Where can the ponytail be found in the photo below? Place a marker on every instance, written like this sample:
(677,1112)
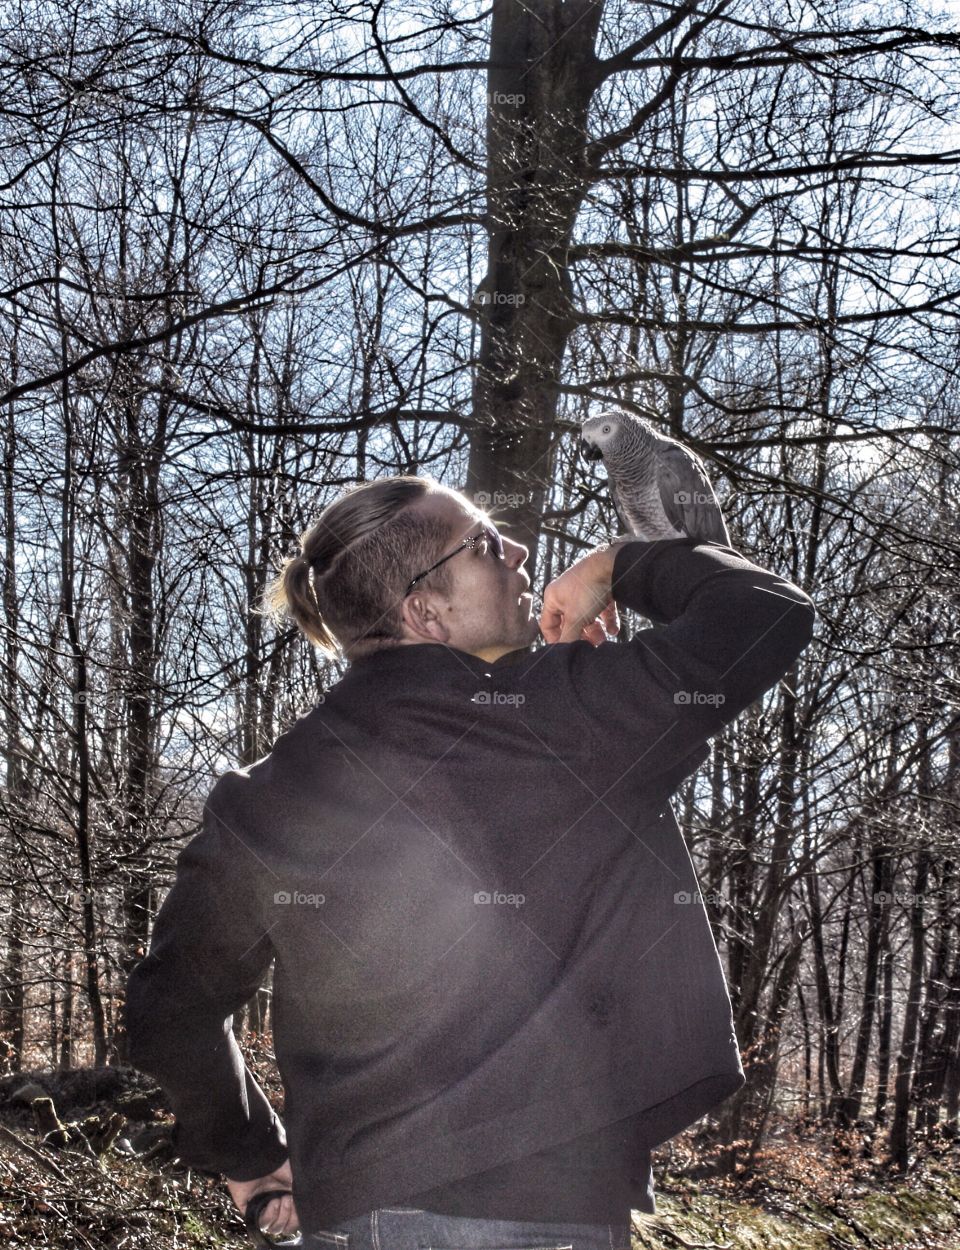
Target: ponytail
(345,588)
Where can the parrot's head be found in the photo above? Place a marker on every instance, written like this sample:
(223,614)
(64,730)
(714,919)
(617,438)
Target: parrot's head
(611,434)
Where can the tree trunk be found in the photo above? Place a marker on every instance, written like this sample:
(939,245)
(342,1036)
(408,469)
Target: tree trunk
(11,991)
(80,689)
(899,1136)
(543,72)
(849,1106)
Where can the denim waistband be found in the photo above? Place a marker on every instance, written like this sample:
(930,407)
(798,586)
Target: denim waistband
(412,1228)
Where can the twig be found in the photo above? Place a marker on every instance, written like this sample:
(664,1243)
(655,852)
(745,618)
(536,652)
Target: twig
(67,1220)
(35,1155)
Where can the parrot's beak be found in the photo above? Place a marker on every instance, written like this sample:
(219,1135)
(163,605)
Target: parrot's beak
(590,451)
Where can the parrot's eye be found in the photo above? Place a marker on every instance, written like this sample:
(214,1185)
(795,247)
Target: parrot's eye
(606,429)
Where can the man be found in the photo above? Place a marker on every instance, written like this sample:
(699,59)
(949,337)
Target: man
(496,988)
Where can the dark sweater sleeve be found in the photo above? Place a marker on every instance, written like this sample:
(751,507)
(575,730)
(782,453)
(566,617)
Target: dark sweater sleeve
(208,955)
(726,631)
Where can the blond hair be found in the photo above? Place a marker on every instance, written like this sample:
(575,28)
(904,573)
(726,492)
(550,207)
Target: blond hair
(345,588)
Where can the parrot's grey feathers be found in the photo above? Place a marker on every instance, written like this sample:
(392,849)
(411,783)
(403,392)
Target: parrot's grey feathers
(687,495)
(621,513)
(659,487)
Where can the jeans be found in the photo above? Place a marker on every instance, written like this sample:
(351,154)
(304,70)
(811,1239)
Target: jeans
(411,1228)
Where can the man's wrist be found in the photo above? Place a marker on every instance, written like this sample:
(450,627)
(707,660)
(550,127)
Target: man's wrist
(598,563)
(601,561)
(613,545)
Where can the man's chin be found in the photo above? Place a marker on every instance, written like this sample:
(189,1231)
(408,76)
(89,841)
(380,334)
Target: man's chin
(532,631)
(522,633)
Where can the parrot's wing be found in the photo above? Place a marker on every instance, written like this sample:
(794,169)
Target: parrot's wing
(687,496)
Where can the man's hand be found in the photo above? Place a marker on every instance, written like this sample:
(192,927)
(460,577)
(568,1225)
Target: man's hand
(579,604)
(280,1215)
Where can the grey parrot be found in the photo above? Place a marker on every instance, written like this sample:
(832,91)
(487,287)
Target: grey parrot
(659,487)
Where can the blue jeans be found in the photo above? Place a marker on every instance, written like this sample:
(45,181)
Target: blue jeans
(411,1228)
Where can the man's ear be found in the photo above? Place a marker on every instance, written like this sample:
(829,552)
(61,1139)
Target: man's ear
(422,619)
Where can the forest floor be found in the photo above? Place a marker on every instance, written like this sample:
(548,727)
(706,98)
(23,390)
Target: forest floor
(115,1186)
(799,1195)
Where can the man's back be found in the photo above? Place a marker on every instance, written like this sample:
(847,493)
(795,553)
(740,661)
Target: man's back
(485,921)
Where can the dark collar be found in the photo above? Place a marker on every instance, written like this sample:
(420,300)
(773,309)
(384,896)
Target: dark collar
(437,656)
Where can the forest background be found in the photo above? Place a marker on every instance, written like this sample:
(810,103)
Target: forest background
(252,254)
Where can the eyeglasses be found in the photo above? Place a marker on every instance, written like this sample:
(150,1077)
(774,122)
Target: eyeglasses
(488,532)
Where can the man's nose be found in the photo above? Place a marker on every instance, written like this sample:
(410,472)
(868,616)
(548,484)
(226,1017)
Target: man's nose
(514,553)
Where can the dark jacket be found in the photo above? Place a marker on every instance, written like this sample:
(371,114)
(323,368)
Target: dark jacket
(485,920)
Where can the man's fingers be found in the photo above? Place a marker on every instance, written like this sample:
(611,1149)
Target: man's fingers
(279,1216)
(611,617)
(594,633)
(270,1216)
(563,629)
(567,624)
